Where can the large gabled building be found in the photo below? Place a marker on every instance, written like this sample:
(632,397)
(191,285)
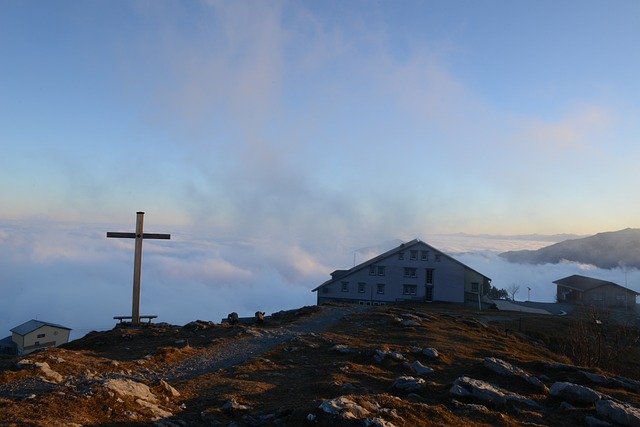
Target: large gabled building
(413,271)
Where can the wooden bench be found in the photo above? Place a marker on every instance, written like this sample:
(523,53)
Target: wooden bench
(122,318)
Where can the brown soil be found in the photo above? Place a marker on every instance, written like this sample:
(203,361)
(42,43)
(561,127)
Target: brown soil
(285,368)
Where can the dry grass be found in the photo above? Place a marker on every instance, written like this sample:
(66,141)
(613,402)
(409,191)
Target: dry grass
(291,380)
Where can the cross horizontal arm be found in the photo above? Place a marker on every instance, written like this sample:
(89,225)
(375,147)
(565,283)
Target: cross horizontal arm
(156,236)
(121,235)
(124,235)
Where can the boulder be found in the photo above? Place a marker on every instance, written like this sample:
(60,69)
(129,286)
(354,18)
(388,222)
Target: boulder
(233,405)
(172,391)
(486,393)
(394,355)
(431,352)
(344,408)
(575,393)
(130,388)
(419,368)
(618,412)
(409,384)
(501,367)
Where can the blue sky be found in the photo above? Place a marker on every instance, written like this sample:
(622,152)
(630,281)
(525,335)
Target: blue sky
(376,117)
(300,131)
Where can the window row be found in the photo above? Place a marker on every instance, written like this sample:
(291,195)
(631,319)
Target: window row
(362,287)
(424,255)
(379,270)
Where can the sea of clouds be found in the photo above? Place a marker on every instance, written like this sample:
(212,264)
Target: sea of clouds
(73,275)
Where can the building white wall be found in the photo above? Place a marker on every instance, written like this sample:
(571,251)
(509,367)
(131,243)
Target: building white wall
(44,336)
(448,279)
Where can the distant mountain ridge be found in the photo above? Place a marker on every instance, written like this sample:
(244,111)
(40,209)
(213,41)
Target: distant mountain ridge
(604,250)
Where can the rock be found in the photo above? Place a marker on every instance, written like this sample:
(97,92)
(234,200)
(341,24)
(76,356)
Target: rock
(50,374)
(395,355)
(410,323)
(172,391)
(431,352)
(419,368)
(125,387)
(486,393)
(344,408)
(575,393)
(233,405)
(501,367)
(341,348)
(156,411)
(596,422)
(618,412)
(409,384)
(377,422)
(469,406)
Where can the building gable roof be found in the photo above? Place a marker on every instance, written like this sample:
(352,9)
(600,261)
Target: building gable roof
(32,325)
(403,247)
(584,283)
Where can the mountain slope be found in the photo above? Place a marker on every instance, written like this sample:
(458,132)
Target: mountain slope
(604,250)
(396,365)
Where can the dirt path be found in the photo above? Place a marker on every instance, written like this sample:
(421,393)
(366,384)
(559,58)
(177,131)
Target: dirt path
(241,349)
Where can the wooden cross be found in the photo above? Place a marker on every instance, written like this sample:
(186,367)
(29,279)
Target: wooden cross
(139,235)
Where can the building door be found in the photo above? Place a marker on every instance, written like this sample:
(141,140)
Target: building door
(428,285)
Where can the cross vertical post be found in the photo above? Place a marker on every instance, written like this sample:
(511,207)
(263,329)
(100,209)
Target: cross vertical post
(137,269)
(139,235)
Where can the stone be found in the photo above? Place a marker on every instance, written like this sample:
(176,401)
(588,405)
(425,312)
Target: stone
(575,393)
(596,422)
(419,368)
(377,422)
(172,391)
(501,367)
(395,355)
(130,388)
(50,374)
(409,384)
(156,411)
(344,408)
(618,412)
(431,352)
(341,348)
(469,406)
(409,323)
(233,405)
(487,393)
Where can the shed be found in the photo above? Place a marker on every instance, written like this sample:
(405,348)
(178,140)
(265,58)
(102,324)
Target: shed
(36,334)
(579,289)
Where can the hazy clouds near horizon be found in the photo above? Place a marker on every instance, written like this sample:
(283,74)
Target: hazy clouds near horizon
(75,276)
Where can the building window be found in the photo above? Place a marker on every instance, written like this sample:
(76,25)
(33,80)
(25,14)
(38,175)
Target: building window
(429,279)
(36,343)
(410,272)
(361,286)
(620,297)
(424,255)
(437,257)
(41,335)
(597,296)
(380,288)
(345,286)
(414,255)
(325,290)
(372,270)
(409,289)
(474,287)
(381,270)
(401,256)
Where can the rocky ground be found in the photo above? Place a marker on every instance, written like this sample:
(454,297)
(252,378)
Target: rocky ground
(397,365)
